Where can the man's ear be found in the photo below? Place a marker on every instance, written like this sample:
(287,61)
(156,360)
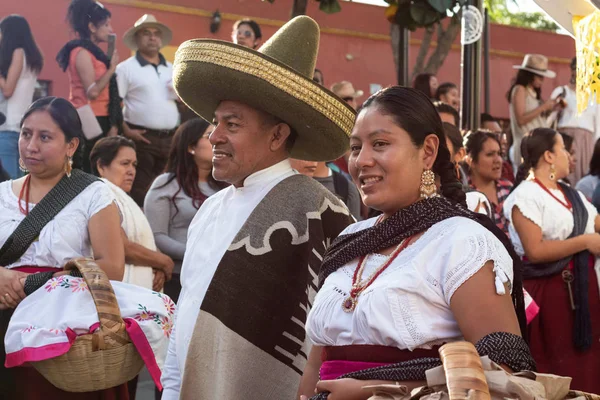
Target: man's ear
(280,134)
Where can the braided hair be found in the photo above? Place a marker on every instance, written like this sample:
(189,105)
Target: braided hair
(412,110)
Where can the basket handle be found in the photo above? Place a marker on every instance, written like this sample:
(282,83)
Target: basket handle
(464,373)
(112,327)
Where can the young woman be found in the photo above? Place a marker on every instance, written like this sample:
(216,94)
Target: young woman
(20,64)
(485,172)
(525,98)
(176,195)
(426,84)
(91,72)
(87,226)
(114,160)
(554,228)
(587,185)
(393,288)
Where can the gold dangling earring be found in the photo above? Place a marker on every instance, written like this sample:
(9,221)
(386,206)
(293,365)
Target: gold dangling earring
(428,188)
(552,172)
(22,166)
(69,166)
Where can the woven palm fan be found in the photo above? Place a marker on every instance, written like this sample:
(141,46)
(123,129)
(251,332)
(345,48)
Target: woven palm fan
(464,373)
(99,360)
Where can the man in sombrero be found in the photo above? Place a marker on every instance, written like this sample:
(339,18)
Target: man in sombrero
(254,249)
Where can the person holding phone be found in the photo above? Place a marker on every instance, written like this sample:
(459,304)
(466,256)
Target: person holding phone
(92,73)
(150,102)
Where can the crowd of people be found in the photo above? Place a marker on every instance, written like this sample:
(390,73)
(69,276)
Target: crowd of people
(315,246)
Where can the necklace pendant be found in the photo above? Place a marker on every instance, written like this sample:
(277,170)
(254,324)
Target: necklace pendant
(349,304)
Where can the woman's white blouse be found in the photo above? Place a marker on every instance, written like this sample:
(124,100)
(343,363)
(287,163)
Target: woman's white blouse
(408,305)
(63,238)
(554,219)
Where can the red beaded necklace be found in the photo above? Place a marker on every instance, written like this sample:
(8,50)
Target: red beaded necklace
(25,190)
(358,286)
(567,205)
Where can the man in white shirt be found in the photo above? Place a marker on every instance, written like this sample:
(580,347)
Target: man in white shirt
(254,249)
(150,109)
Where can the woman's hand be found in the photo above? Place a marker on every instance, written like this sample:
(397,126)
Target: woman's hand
(11,288)
(344,389)
(593,243)
(549,104)
(159,280)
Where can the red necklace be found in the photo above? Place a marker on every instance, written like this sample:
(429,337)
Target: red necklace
(567,205)
(358,286)
(25,190)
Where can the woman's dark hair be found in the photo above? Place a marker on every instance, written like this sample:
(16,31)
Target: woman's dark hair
(476,140)
(252,24)
(16,34)
(595,161)
(182,166)
(524,78)
(106,149)
(443,89)
(422,84)
(568,141)
(82,12)
(66,117)
(533,147)
(413,111)
(453,134)
(444,108)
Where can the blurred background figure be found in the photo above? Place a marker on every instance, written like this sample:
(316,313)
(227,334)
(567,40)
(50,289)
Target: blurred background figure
(246,32)
(426,83)
(587,185)
(20,63)
(449,94)
(318,77)
(447,113)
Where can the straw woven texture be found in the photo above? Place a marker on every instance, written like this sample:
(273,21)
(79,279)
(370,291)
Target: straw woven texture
(464,372)
(100,360)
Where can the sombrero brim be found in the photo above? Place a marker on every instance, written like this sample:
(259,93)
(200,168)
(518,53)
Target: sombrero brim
(129,37)
(207,72)
(547,73)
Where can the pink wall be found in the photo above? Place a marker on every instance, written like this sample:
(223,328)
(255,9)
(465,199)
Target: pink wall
(372,57)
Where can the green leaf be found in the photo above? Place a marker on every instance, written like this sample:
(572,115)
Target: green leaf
(330,6)
(441,6)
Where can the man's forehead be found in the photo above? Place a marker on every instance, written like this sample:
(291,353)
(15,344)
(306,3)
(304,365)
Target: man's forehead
(235,108)
(149,30)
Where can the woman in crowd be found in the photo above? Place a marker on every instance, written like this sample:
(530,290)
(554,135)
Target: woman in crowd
(246,32)
(176,195)
(554,228)
(426,250)
(570,147)
(114,159)
(79,219)
(485,171)
(426,84)
(20,64)
(525,98)
(587,185)
(91,73)
(448,93)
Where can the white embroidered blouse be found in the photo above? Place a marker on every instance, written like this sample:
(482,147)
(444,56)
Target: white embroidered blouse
(408,305)
(63,238)
(555,220)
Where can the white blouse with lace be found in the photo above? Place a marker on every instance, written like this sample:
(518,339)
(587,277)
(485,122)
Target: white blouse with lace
(63,238)
(408,305)
(554,219)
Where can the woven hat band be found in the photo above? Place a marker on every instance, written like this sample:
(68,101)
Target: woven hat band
(282,78)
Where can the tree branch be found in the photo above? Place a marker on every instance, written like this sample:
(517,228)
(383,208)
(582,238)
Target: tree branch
(445,40)
(423,50)
(299,7)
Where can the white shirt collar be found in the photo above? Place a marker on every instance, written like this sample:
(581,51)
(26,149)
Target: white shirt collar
(264,176)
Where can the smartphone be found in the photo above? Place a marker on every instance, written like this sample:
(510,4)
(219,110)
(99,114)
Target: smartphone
(111,45)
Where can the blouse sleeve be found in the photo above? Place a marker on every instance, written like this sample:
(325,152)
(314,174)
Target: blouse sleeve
(469,247)
(99,196)
(529,202)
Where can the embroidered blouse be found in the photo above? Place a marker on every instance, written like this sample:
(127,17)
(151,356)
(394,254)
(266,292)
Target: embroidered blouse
(408,305)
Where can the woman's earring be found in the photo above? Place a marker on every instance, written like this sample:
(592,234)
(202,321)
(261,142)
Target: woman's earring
(552,172)
(457,169)
(428,188)
(22,166)
(69,166)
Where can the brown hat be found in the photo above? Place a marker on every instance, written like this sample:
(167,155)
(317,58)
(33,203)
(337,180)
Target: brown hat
(346,89)
(276,79)
(147,21)
(536,63)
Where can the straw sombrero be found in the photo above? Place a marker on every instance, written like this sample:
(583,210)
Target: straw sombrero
(276,79)
(536,63)
(147,21)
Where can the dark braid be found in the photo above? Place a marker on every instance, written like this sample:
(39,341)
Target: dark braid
(444,168)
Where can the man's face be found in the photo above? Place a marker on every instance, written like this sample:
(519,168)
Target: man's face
(307,168)
(241,141)
(492,126)
(244,36)
(149,40)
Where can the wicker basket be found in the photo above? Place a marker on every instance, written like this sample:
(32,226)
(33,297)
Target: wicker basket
(464,373)
(99,360)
